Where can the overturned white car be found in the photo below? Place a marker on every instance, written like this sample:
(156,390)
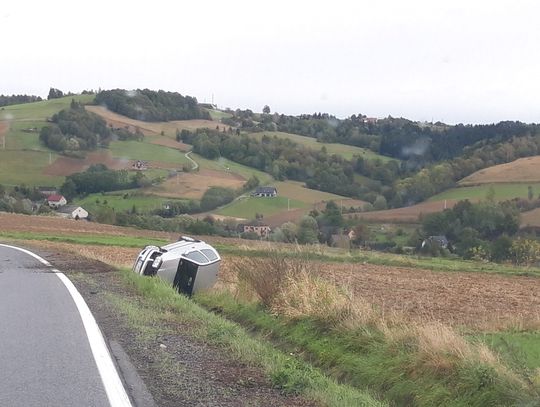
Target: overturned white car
(190,265)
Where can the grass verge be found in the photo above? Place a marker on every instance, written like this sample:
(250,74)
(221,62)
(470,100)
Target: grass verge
(286,372)
(411,363)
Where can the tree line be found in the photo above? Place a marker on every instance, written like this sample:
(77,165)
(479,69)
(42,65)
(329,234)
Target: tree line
(7,100)
(151,106)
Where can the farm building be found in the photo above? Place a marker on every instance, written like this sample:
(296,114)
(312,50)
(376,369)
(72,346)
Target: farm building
(72,212)
(48,191)
(56,201)
(257,227)
(265,192)
(439,241)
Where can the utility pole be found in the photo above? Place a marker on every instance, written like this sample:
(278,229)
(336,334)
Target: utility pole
(3,142)
(288,204)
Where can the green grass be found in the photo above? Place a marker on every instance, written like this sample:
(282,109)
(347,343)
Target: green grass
(223,164)
(116,200)
(502,192)
(26,167)
(162,305)
(17,139)
(344,150)
(41,110)
(249,206)
(517,348)
(218,114)
(363,358)
(137,150)
(102,240)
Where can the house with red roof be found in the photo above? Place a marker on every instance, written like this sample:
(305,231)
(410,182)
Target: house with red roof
(56,201)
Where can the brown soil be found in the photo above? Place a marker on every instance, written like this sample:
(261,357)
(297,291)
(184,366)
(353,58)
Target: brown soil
(4,127)
(479,300)
(522,170)
(209,375)
(409,214)
(193,185)
(475,300)
(153,128)
(531,218)
(64,166)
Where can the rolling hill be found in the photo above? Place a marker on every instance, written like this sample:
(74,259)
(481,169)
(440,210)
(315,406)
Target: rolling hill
(523,170)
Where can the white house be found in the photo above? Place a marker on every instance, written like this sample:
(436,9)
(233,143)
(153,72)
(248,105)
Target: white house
(265,192)
(72,212)
(56,201)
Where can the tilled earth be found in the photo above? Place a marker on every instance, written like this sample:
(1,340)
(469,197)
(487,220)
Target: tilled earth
(204,375)
(474,300)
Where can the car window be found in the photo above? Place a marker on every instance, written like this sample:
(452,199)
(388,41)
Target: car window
(210,254)
(197,257)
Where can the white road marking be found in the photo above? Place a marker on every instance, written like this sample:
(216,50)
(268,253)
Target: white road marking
(116,393)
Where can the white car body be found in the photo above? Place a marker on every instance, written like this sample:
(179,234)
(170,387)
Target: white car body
(189,265)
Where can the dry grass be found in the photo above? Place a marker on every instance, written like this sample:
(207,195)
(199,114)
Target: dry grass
(294,290)
(521,170)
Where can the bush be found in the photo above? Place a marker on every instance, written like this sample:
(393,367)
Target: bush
(216,196)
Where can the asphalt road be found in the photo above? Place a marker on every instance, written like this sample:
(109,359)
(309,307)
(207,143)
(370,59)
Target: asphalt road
(45,355)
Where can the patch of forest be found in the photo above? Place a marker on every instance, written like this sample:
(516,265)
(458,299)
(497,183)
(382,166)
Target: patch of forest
(151,106)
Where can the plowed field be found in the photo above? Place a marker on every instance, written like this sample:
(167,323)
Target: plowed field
(476,300)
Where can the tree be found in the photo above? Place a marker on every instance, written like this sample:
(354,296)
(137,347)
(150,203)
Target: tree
(308,230)
(55,94)
(266,109)
(289,231)
(380,203)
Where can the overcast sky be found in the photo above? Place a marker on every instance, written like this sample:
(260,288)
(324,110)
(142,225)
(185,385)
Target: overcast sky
(455,61)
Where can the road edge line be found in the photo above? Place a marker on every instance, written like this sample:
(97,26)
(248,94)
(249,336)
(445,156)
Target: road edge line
(114,388)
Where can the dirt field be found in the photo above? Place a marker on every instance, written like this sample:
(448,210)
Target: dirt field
(522,170)
(63,166)
(474,300)
(531,218)
(193,185)
(153,128)
(477,300)
(409,214)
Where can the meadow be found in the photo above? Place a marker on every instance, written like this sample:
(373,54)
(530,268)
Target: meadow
(248,207)
(123,201)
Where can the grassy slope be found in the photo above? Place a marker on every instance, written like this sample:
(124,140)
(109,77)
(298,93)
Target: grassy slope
(116,200)
(249,206)
(137,150)
(18,165)
(332,148)
(502,192)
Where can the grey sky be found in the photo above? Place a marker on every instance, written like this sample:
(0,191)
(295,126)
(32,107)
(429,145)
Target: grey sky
(457,61)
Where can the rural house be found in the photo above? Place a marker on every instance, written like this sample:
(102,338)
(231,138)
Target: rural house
(56,201)
(265,192)
(439,241)
(257,227)
(72,212)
